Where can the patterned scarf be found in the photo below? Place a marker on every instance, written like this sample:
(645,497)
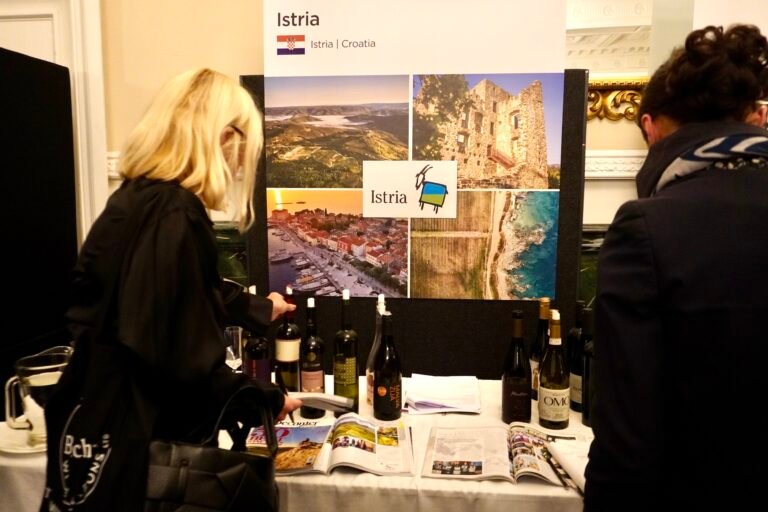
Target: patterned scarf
(699,146)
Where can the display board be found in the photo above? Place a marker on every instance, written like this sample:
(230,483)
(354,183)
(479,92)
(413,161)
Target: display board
(352,84)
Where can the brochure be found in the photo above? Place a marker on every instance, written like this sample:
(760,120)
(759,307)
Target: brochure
(508,453)
(309,446)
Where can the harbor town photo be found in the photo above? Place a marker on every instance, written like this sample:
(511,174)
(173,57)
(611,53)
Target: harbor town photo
(320,243)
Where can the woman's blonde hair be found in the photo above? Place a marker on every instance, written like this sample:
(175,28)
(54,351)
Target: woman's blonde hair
(179,138)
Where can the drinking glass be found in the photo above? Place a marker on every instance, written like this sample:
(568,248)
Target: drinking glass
(35,378)
(234,337)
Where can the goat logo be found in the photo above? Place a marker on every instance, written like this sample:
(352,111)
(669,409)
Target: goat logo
(431,193)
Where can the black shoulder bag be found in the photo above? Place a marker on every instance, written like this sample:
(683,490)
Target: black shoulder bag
(202,477)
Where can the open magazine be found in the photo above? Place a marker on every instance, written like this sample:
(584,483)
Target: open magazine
(350,441)
(516,451)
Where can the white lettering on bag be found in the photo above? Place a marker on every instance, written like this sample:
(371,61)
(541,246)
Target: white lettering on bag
(81,462)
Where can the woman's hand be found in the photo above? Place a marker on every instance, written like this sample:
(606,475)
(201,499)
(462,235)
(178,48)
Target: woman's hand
(279,306)
(291,404)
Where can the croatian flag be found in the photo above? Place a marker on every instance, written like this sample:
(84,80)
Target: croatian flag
(290,45)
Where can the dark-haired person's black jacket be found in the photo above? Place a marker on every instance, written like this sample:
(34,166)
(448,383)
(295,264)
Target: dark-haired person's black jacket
(682,328)
(156,369)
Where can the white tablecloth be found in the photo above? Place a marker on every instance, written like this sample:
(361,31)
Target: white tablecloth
(22,477)
(351,490)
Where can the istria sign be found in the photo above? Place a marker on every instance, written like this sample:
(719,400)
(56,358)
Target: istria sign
(412,188)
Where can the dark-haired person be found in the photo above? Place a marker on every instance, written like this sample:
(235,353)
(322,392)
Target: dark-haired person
(149,308)
(680,341)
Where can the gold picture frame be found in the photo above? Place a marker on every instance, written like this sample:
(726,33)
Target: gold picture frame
(615,99)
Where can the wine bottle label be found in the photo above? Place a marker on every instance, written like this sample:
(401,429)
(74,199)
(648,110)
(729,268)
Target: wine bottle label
(287,351)
(554,404)
(369,387)
(257,369)
(534,374)
(313,381)
(575,383)
(388,399)
(345,371)
(515,399)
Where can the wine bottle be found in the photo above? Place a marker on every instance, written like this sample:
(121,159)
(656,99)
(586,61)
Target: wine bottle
(586,362)
(574,346)
(539,345)
(381,307)
(312,374)
(588,383)
(256,358)
(553,380)
(287,347)
(516,379)
(387,375)
(345,357)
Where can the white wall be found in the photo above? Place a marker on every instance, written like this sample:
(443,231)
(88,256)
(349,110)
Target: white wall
(720,12)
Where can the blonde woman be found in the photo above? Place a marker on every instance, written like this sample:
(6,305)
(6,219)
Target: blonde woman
(148,304)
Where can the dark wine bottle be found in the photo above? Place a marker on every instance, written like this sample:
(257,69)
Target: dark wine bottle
(287,347)
(587,362)
(554,391)
(345,382)
(256,358)
(387,375)
(588,383)
(574,346)
(539,345)
(381,307)
(516,379)
(312,374)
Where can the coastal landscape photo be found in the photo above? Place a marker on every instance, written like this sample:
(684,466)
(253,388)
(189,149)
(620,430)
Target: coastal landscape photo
(501,246)
(319,243)
(319,130)
(503,130)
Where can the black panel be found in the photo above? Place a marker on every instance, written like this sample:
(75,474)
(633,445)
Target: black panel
(36,145)
(572,159)
(457,337)
(257,235)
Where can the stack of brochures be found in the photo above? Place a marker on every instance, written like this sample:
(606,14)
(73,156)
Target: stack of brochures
(427,394)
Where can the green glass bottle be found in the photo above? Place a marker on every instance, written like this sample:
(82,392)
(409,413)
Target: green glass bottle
(554,389)
(574,346)
(345,381)
(539,345)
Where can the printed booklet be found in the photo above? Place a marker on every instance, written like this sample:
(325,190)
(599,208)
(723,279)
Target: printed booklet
(310,446)
(509,453)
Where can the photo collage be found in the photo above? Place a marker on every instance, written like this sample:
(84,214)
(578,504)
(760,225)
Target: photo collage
(503,130)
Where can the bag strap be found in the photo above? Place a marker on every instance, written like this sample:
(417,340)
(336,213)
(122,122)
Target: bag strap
(239,435)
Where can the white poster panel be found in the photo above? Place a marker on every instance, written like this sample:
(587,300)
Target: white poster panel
(473,91)
(367,37)
(411,189)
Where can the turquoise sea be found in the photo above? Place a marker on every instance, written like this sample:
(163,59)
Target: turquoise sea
(539,262)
